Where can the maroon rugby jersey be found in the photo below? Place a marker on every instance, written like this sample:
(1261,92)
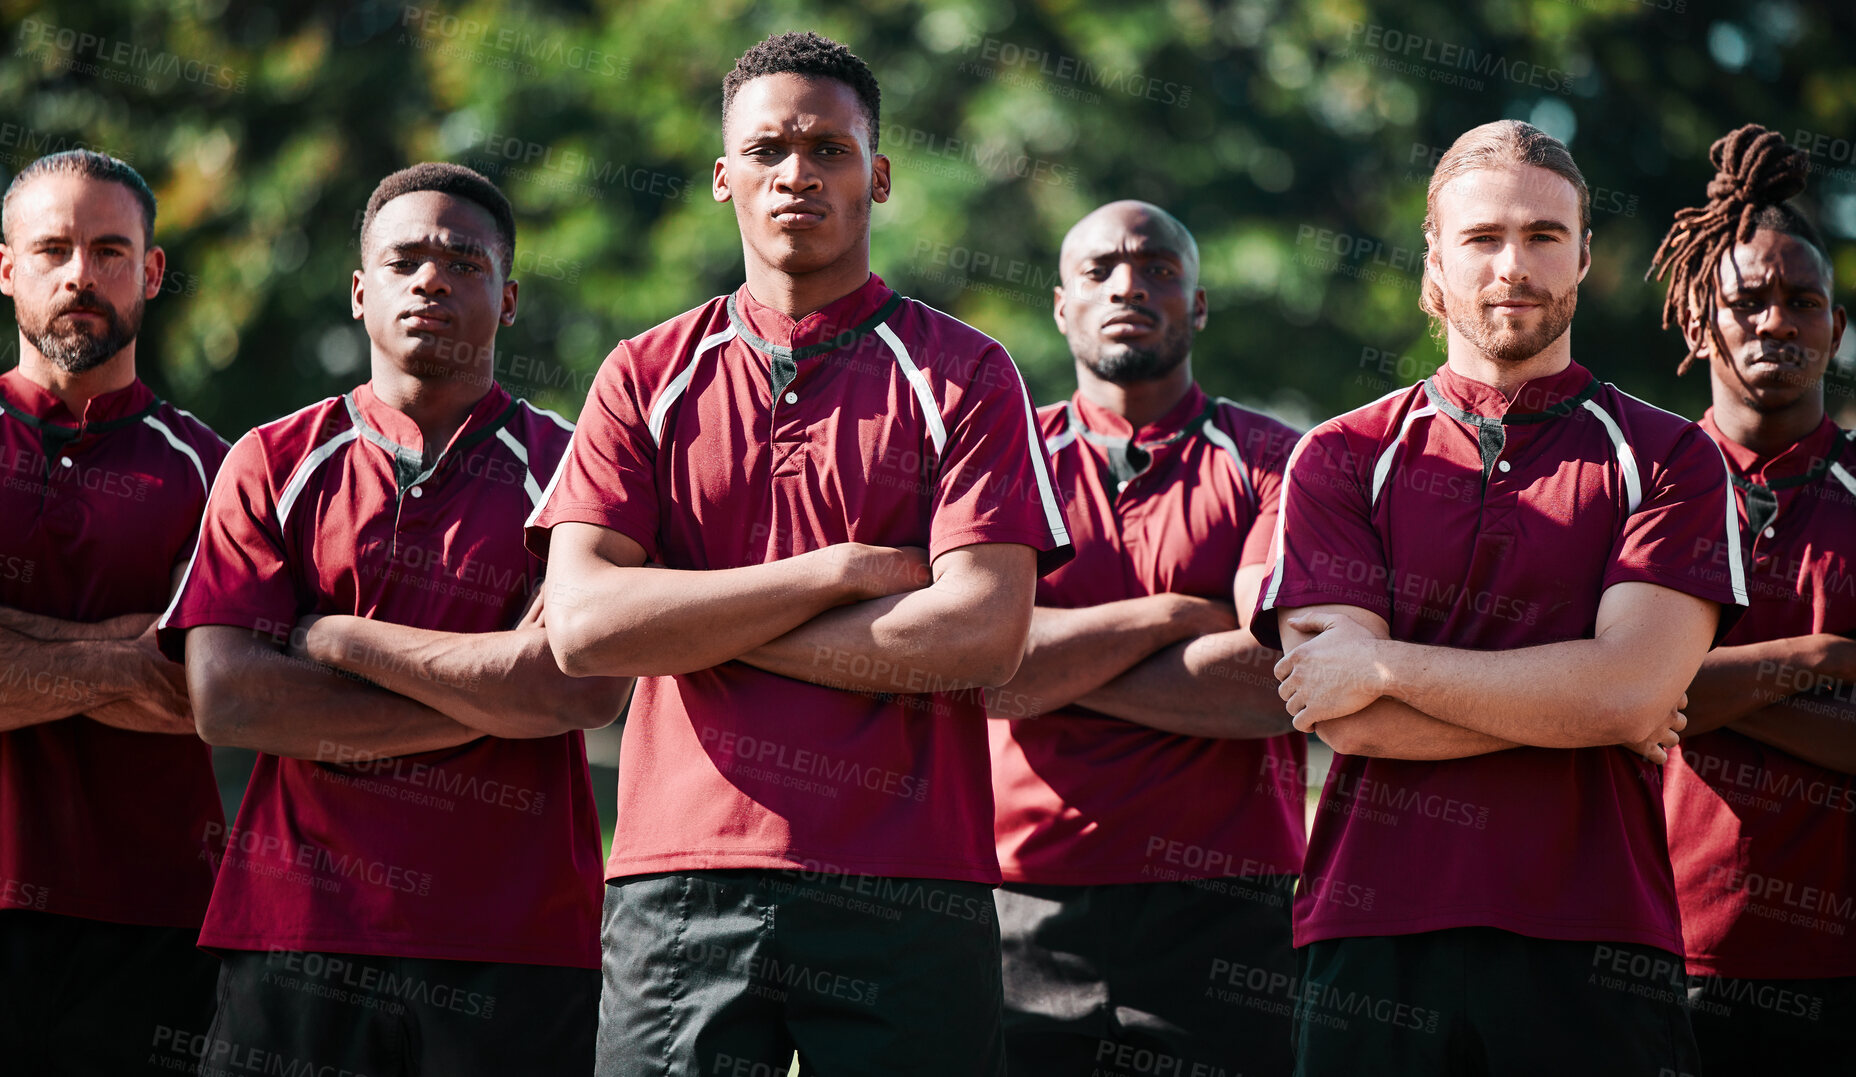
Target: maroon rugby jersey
(1082,797)
(1470,521)
(488,851)
(96,512)
(733,435)
(1764,843)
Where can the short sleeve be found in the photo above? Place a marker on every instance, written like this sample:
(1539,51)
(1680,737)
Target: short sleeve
(1687,514)
(1267,447)
(995,480)
(240,573)
(608,476)
(1326,548)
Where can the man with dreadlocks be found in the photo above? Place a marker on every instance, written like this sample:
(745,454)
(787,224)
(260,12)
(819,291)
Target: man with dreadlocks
(1485,589)
(1761,798)
(852,502)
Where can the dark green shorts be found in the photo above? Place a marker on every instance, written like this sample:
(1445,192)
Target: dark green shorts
(728,973)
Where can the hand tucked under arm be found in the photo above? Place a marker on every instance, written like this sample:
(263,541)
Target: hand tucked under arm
(967,629)
(248,694)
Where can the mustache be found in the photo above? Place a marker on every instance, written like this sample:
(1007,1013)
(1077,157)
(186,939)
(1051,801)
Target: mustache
(85,304)
(1522,294)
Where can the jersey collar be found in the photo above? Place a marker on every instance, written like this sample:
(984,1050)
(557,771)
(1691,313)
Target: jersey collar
(1809,454)
(395,432)
(1538,400)
(786,342)
(24,397)
(1131,452)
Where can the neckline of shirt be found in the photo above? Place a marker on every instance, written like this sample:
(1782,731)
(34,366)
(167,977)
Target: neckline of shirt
(1541,399)
(42,408)
(1103,427)
(489,415)
(774,329)
(1810,455)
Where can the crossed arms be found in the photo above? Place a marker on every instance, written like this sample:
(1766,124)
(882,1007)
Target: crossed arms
(1794,694)
(1176,663)
(351,688)
(1366,694)
(849,616)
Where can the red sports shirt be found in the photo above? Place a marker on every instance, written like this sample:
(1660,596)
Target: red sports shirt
(96,512)
(1085,798)
(1470,521)
(1764,843)
(711,451)
(488,851)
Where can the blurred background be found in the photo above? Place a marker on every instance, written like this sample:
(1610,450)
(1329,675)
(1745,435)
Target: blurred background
(1295,139)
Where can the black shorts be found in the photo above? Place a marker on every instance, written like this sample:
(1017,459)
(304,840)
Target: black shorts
(1758,1027)
(288,1011)
(1480,1002)
(89,997)
(728,973)
(1137,979)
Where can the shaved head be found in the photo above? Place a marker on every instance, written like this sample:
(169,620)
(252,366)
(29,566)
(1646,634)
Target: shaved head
(1131,216)
(1130,299)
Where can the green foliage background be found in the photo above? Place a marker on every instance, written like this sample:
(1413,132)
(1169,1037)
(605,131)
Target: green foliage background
(1294,138)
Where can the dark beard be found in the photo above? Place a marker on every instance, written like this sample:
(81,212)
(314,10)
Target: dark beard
(1124,364)
(1506,346)
(73,348)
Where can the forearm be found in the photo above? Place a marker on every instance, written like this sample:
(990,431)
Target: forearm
(40,627)
(1818,727)
(46,681)
(1735,682)
(1573,694)
(1389,729)
(505,684)
(1217,685)
(255,697)
(1074,652)
(610,620)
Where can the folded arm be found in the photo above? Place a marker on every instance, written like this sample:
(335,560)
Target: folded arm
(505,684)
(249,694)
(1735,682)
(609,615)
(1072,653)
(1217,685)
(1620,687)
(1817,727)
(964,630)
(1382,728)
(109,671)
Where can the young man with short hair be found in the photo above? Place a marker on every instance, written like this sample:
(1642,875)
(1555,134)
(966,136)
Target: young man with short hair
(106,793)
(1761,794)
(1486,590)
(847,498)
(1150,792)
(412,883)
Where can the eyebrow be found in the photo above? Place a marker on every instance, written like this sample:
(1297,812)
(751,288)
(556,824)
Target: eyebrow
(112,239)
(1544,224)
(415,246)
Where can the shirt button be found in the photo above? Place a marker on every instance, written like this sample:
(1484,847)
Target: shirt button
(65,461)
(1768,532)
(792,398)
(1505,466)
(418,491)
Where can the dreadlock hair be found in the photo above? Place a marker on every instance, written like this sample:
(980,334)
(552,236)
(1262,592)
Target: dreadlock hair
(812,56)
(459,182)
(1755,171)
(1500,144)
(97,166)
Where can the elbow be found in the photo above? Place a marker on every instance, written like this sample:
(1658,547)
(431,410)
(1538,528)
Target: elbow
(1635,721)
(213,720)
(994,666)
(571,639)
(595,704)
(1345,738)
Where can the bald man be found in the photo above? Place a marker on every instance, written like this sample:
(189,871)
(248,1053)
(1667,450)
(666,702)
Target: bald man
(1148,787)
